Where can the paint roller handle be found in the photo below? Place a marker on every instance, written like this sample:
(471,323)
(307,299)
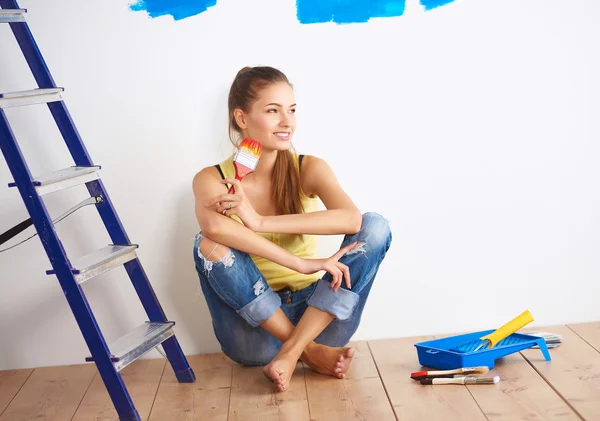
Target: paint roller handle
(508,328)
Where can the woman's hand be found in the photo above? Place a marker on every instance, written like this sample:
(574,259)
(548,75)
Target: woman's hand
(236,204)
(338,270)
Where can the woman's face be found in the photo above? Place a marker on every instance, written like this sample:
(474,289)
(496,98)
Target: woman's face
(271,120)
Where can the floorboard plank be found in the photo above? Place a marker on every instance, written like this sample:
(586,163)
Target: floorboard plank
(11,382)
(590,332)
(362,366)
(360,396)
(207,399)
(253,397)
(141,378)
(51,393)
(574,371)
(395,360)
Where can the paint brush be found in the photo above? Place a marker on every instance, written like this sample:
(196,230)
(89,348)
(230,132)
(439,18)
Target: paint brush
(462,380)
(438,373)
(245,159)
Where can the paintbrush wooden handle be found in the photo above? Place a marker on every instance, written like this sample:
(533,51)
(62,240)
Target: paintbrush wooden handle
(232,188)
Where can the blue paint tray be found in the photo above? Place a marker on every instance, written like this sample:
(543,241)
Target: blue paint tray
(459,351)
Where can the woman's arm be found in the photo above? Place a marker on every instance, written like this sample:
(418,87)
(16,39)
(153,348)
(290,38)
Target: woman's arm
(341,217)
(224,230)
(228,232)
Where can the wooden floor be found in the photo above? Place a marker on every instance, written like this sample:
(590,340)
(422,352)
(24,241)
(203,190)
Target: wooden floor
(378,388)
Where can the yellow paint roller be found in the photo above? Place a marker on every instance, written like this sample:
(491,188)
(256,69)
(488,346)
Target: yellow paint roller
(506,330)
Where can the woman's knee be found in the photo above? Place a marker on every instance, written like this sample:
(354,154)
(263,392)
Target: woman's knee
(376,230)
(209,252)
(212,251)
(236,280)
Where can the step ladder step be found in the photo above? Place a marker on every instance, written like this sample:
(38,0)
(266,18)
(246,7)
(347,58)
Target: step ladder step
(30,97)
(12,15)
(100,261)
(138,342)
(63,179)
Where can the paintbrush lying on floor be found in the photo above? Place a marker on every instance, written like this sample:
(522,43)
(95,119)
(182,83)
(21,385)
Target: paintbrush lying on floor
(418,375)
(462,380)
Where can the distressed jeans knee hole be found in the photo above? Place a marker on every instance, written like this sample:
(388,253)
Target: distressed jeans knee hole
(227,260)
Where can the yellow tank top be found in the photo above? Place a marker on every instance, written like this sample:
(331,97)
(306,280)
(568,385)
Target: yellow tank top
(304,246)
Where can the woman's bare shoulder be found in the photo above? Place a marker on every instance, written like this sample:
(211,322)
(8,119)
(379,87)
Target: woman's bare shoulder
(207,176)
(313,170)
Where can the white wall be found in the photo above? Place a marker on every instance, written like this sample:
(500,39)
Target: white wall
(472,128)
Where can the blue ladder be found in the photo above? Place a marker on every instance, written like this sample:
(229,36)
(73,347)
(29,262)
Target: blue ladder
(109,359)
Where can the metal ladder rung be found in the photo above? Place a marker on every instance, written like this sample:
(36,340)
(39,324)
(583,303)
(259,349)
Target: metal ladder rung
(63,179)
(30,97)
(100,261)
(12,15)
(138,342)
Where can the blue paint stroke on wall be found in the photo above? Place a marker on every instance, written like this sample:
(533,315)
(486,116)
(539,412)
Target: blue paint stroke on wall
(432,4)
(307,11)
(179,9)
(347,11)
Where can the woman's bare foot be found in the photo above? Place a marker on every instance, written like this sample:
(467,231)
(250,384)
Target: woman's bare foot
(280,370)
(327,360)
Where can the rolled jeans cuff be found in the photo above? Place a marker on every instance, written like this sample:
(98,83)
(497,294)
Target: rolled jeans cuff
(261,308)
(340,304)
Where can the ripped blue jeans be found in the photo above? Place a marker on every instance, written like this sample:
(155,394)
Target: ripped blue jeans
(239,298)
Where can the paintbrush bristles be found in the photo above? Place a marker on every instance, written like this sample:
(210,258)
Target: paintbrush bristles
(250,147)
(483,380)
(247,155)
(479,370)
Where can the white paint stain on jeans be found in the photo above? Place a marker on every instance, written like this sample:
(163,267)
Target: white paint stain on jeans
(259,287)
(358,248)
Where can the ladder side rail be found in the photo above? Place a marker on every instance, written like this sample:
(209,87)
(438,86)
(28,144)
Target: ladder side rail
(175,355)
